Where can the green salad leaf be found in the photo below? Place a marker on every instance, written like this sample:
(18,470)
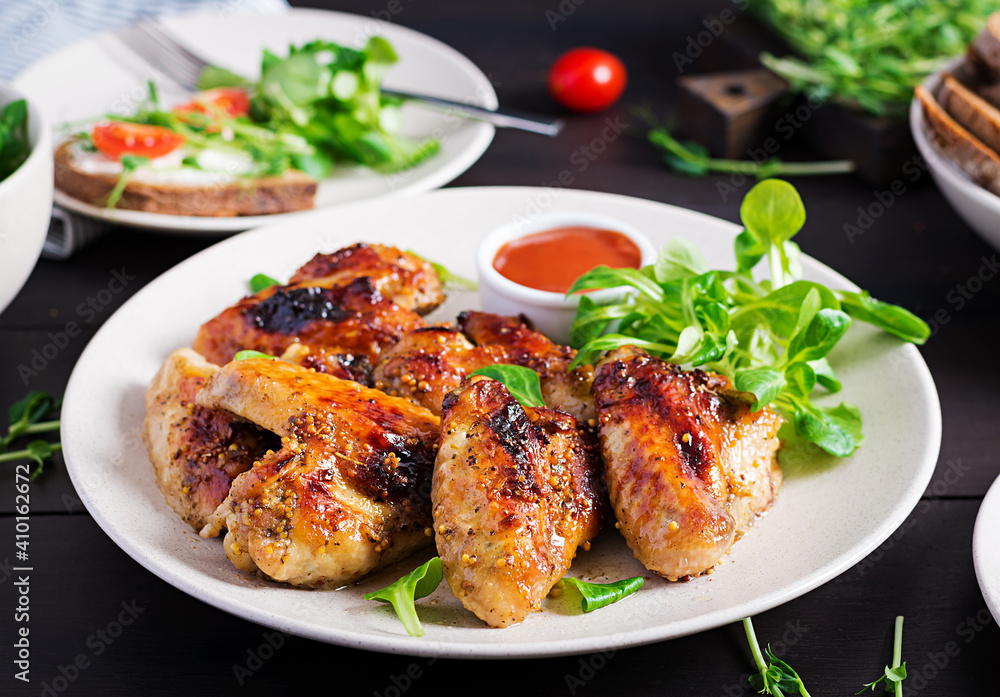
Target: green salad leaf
(771,336)
(523,383)
(247,354)
(402,593)
(14,144)
(597,595)
(262,281)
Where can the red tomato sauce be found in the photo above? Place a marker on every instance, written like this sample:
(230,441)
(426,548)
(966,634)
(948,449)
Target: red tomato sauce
(552,260)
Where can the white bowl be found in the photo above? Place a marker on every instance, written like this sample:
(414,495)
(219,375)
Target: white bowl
(550,313)
(25,204)
(974,204)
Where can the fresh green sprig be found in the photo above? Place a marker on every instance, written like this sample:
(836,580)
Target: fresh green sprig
(523,383)
(773,676)
(895,674)
(130,163)
(262,281)
(869,54)
(693,159)
(594,596)
(770,336)
(402,593)
(14,144)
(24,418)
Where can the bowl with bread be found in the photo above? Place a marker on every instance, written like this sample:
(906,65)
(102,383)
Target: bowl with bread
(955,120)
(25,189)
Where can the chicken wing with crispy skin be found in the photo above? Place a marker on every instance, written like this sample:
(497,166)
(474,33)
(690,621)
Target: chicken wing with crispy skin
(196,452)
(515,492)
(353,318)
(428,363)
(399,276)
(349,490)
(688,465)
(332,361)
(562,388)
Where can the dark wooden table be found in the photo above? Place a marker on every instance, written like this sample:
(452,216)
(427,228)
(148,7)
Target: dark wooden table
(918,253)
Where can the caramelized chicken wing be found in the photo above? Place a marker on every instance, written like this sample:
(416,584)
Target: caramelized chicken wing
(688,465)
(562,388)
(353,318)
(347,493)
(331,361)
(515,492)
(401,277)
(196,452)
(428,363)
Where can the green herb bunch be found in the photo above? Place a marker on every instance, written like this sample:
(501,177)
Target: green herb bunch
(770,336)
(869,54)
(14,144)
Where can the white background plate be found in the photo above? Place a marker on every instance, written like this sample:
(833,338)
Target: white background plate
(986,551)
(99,75)
(827,517)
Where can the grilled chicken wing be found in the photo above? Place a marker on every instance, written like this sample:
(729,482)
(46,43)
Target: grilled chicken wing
(399,276)
(428,363)
(688,465)
(354,318)
(196,452)
(515,492)
(348,492)
(562,388)
(339,364)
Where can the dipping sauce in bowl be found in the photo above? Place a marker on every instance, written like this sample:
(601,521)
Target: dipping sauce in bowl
(525,267)
(552,260)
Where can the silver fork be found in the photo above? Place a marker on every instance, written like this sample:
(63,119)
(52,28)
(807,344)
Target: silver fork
(162,51)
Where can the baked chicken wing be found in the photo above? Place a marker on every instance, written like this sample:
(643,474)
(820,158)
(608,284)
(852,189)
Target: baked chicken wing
(353,318)
(399,276)
(349,490)
(515,492)
(688,465)
(196,452)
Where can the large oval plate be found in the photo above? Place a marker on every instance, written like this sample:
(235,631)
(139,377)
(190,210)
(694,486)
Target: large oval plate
(829,514)
(64,86)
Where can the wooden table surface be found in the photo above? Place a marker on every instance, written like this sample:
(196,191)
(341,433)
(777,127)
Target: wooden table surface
(133,634)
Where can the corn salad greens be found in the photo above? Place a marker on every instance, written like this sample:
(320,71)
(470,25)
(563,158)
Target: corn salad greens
(770,336)
(402,593)
(868,54)
(14,144)
(24,418)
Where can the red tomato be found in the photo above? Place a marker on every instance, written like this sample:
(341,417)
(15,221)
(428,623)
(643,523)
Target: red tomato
(223,101)
(587,79)
(117,138)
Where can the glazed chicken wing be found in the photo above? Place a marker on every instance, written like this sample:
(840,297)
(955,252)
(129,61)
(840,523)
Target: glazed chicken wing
(196,452)
(332,361)
(428,363)
(515,492)
(688,465)
(562,388)
(399,276)
(347,493)
(353,318)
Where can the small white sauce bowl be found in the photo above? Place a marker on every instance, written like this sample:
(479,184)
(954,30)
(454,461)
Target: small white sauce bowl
(25,204)
(550,313)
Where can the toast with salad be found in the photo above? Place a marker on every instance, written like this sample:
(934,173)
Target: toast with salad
(246,148)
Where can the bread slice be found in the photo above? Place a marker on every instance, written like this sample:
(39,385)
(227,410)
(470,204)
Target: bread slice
(228,197)
(984,51)
(973,112)
(961,147)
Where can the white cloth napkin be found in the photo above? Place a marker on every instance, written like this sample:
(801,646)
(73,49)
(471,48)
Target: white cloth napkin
(35,28)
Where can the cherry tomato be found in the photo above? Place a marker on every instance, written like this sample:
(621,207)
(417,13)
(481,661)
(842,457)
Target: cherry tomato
(117,138)
(587,79)
(222,101)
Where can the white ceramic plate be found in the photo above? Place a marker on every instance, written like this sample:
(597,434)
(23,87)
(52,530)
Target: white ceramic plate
(828,516)
(99,75)
(985,551)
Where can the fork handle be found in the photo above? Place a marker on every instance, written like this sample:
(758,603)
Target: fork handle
(500,119)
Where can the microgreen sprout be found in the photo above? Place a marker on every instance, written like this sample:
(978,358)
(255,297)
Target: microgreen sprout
(25,418)
(895,674)
(773,676)
(402,593)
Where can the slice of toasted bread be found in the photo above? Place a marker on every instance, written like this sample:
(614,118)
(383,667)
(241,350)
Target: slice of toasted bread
(981,118)
(961,147)
(984,51)
(225,197)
